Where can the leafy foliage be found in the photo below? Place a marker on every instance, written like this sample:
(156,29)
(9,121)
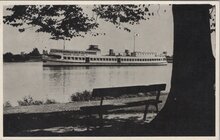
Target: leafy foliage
(50,101)
(7,104)
(35,52)
(212,19)
(119,14)
(8,57)
(61,21)
(81,96)
(28,100)
(68,21)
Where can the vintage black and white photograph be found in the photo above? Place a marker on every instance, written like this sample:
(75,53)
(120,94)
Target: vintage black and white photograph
(109,69)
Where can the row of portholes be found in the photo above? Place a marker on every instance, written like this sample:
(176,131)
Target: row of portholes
(112,59)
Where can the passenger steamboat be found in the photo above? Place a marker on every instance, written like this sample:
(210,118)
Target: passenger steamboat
(92,57)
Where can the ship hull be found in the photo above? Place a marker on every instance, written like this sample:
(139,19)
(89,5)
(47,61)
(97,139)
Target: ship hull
(51,63)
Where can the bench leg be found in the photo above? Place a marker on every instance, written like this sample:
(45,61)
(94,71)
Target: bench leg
(145,111)
(88,116)
(101,119)
(157,110)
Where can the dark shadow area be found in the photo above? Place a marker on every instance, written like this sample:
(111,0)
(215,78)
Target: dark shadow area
(75,123)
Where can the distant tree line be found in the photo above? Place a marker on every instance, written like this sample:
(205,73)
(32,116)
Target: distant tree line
(34,55)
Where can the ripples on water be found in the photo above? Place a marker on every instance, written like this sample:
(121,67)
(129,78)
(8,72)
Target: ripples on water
(22,79)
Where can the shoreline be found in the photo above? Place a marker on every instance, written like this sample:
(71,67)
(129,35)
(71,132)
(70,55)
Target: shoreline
(72,106)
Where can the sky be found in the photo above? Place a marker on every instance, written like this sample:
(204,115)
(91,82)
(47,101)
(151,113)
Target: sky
(155,35)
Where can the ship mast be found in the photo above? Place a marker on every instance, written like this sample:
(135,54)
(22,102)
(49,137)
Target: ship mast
(134,43)
(135,34)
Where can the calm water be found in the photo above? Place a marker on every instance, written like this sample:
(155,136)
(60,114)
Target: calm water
(22,79)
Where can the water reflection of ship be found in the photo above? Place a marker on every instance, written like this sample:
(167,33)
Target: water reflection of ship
(92,57)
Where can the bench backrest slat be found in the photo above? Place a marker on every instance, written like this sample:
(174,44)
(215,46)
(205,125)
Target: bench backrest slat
(118,91)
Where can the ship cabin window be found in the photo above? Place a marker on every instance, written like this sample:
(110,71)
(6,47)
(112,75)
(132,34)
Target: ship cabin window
(68,58)
(64,57)
(97,59)
(80,58)
(92,59)
(76,58)
(73,58)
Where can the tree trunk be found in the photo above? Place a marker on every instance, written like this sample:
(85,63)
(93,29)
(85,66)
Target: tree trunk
(190,106)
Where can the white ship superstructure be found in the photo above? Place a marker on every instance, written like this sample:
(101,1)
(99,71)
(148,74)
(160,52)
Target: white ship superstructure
(93,57)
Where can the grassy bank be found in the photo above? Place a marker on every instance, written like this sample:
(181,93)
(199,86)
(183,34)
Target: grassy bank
(66,119)
(72,106)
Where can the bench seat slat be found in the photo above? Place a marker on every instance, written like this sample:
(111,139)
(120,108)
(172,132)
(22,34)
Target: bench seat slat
(105,108)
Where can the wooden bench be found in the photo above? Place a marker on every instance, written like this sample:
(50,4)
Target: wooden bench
(102,93)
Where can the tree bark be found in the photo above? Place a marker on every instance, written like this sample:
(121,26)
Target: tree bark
(190,106)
